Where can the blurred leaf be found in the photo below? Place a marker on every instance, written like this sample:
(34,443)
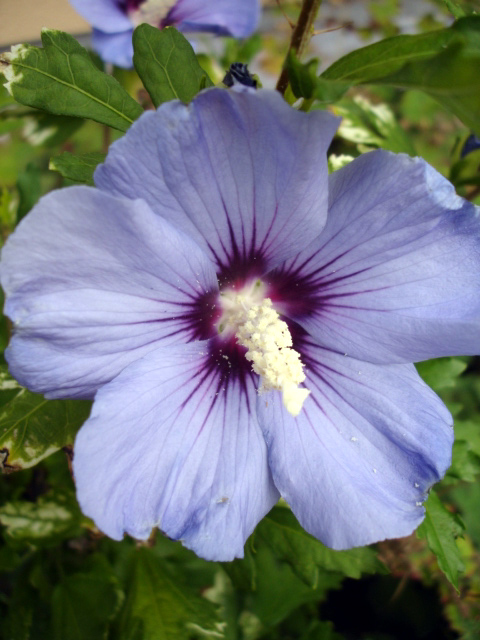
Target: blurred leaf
(46,129)
(455,9)
(47,521)
(62,79)
(84,603)
(29,189)
(32,428)
(160,606)
(77,168)
(441,528)
(465,463)
(443,63)
(167,65)
(365,123)
(466,171)
(307,556)
(271,586)
(306,84)
(441,373)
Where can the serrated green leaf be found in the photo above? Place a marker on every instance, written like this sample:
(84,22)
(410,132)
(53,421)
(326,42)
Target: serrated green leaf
(465,463)
(62,79)
(167,65)
(308,556)
(441,373)
(160,606)
(440,529)
(47,521)
(32,428)
(78,168)
(83,604)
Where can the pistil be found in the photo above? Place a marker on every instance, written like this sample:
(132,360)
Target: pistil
(258,327)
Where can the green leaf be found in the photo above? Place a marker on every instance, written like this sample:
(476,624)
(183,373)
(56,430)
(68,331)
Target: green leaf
(306,84)
(32,428)
(84,604)
(29,189)
(308,556)
(160,606)
(440,528)
(441,373)
(62,79)
(167,65)
(443,63)
(47,521)
(374,125)
(77,168)
(455,9)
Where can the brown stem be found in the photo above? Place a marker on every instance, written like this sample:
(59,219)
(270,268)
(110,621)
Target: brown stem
(300,36)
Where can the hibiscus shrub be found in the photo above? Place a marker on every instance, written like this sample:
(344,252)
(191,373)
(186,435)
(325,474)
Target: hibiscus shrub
(239,377)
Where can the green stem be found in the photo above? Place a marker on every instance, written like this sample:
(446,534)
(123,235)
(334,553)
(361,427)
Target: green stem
(300,37)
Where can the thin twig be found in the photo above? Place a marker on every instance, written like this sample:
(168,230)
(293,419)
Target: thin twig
(300,36)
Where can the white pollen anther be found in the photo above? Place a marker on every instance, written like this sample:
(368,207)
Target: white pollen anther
(268,341)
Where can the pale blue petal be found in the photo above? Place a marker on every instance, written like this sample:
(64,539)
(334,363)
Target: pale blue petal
(171,444)
(395,275)
(116,48)
(243,173)
(237,18)
(106,15)
(356,464)
(94,282)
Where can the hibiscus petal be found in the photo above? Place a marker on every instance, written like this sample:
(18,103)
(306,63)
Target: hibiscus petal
(93,282)
(243,173)
(236,18)
(172,444)
(116,48)
(105,15)
(395,275)
(355,465)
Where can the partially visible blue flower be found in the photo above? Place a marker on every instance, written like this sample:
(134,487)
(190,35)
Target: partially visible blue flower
(472,143)
(213,236)
(113,21)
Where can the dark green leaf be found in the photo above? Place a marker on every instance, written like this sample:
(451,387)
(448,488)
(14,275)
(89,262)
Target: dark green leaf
(84,603)
(307,556)
(441,528)
(77,168)
(465,463)
(160,606)
(32,428)
(62,79)
(306,84)
(167,65)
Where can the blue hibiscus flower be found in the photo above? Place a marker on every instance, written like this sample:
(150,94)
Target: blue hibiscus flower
(247,324)
(113,21)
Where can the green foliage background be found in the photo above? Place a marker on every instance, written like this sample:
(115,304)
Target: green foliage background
(60,578)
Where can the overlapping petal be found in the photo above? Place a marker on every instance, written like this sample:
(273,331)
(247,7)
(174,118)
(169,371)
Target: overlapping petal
(172,444)
(106,15)
(395,275)
(243,173)
(93,282)
(236,18)
(356,463)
